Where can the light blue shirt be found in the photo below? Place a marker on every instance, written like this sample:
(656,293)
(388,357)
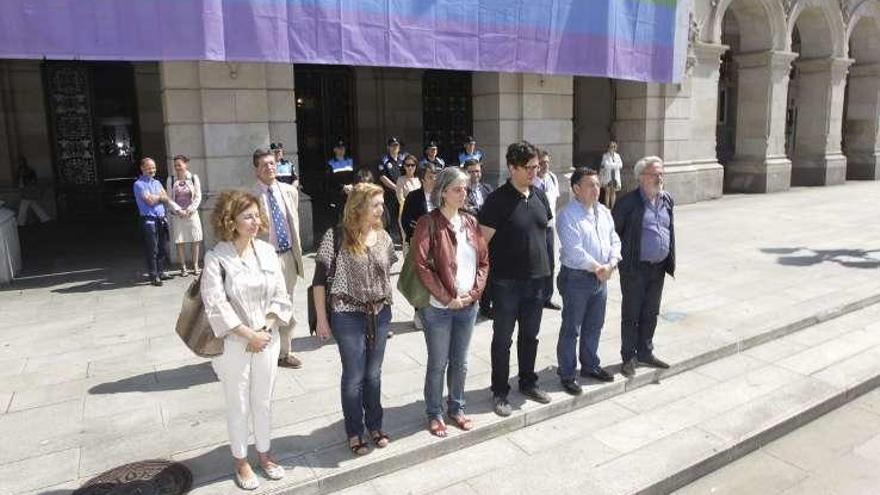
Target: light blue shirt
(150,185)
(584,242)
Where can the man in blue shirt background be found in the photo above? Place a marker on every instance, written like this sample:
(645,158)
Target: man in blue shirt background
(150,196)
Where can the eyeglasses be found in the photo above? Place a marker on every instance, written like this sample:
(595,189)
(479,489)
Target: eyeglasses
(409,164)
(533,167)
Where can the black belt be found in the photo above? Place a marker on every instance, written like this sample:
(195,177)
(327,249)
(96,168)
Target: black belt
(152,217)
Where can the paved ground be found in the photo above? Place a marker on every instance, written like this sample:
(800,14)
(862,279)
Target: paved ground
(92,375)
(630,442)
(838,453)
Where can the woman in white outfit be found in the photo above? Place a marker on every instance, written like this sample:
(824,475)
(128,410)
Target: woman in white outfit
(245,301)
(185,193)
(609,175)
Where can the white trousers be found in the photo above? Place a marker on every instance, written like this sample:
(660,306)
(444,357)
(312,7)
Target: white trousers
(288,268)
(248,380)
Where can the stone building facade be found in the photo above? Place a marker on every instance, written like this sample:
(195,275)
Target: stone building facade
(778,93)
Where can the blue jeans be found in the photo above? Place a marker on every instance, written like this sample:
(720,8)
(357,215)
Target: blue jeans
(361,369)
(583,315)
(155,235)
(448,336)
(515,301)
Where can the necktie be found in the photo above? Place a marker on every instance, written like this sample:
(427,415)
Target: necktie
(282,240)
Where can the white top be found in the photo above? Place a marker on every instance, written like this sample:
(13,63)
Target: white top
(611,167)
(465,261)
(550,185)
(245,290)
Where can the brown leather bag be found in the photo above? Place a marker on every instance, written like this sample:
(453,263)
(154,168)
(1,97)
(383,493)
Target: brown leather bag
(192,323)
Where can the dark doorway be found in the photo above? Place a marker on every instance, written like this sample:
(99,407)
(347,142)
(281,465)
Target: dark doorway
(447,106)
(325,111)
(93,122)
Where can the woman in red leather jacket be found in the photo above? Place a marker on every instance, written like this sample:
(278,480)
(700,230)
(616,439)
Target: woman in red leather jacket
(452,261)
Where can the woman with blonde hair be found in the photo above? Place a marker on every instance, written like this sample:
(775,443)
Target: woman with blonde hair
(246,300)
(185,195)
(354,271)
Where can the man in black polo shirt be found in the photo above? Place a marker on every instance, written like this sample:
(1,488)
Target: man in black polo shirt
(514,222)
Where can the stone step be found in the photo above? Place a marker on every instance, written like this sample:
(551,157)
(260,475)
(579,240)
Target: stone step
(331,467)
(656,439)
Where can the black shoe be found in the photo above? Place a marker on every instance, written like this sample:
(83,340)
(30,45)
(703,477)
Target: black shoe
(536,394)
(502,407)
(552,305)
(571,387)
(599,374)
(653,362)
(156,282)
(629,368)
(164,276)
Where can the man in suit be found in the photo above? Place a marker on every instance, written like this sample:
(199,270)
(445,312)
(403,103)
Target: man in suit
(281,203)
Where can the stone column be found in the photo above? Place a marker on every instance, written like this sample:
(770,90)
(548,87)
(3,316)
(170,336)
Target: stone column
(704,118)
(818,160)
(760,164)
(862,139)
(511,107)
(218,113)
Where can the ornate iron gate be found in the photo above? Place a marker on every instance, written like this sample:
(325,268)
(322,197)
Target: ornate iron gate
(447,106)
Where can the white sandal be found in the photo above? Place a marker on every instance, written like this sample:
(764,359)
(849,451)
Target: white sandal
(251,483)
(273,472)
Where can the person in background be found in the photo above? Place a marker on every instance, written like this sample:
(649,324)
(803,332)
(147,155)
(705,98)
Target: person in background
(407,183)
(388,173)
(609,174)
(477,193)
(281,202)
(186,226)
(360,309)
(286,169)
(469,151)
(246,300)
(546,181)
(589,251)
(151,198)
(452,262)
(644,221)
(341,178)
(430,156)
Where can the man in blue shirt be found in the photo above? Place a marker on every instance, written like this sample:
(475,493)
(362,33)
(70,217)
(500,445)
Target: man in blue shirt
(150,196)
(589,251)
(644,221)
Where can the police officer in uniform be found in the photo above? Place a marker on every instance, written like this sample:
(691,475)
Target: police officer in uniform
(341,177)
(389,171)
(469,151)
(286,171)
(430,156)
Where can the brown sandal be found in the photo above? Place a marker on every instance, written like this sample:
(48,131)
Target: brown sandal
(437,427)
(359,448)
(462,422)
(380,439)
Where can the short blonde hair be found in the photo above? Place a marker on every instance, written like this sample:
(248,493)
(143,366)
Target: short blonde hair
(229,205)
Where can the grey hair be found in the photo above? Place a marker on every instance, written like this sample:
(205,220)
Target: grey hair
(448,177)
(644,162)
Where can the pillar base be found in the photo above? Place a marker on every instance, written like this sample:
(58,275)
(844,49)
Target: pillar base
(825,170)
(690,182)
(863,166)
(760,175)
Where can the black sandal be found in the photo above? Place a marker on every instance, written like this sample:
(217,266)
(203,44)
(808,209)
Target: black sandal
(360,448)
(380,439)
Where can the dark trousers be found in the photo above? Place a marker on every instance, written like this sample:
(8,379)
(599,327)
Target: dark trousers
(515,301)
(155,236)
(486,297)
(642,290)
(390,216)
(551,254)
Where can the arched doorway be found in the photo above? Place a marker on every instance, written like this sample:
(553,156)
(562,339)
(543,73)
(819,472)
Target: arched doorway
(815,102)
(751,92)
(860,135)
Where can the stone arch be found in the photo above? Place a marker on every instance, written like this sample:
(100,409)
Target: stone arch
(821,28)
(861,125)
(762,24)
(863,36)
